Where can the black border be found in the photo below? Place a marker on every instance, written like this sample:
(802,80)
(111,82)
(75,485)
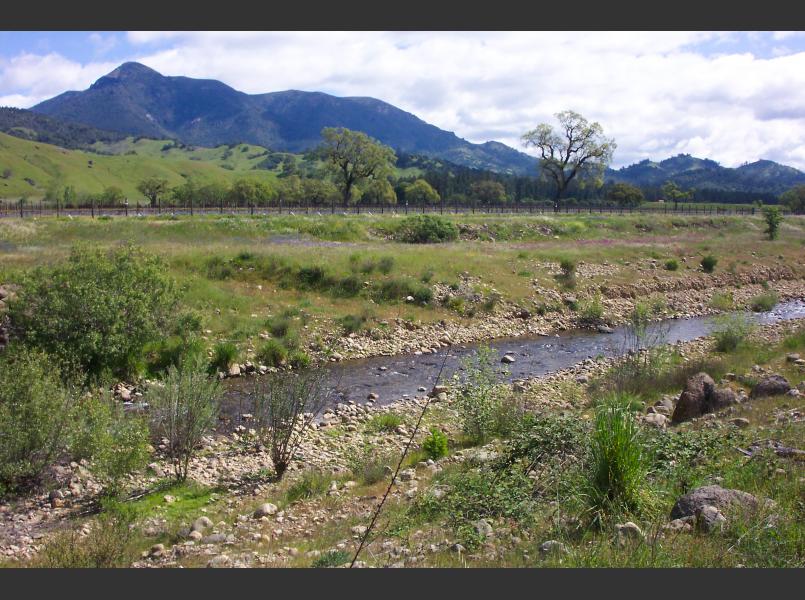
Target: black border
(404,15)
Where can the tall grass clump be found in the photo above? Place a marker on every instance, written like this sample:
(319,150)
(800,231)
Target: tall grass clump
(426,229)
(617,466)
(764,302)
(272,353)
(709,263)
(384,422)
(671,264)
(224,355)
(722,301)
(731,331)
(312,483)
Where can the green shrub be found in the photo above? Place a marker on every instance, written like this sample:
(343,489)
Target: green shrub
(723,301)
(111,543)
(218,268)
(368,465)
(183,409)
(386,264)
(671,264)
(36,411)
(731,331)
(332,558)
(299,359)
(764,302)
(422,294)
(568,267)
(709,263)
(278,326)
(314,277)
(618,467)
(426,229)
(352,323)
(224,355)
(396,290)
(455,303)
(98,310)
(592,311)
(387,422)
(312,483)
(349,286)
(173,351)
(435,445)
(773,218)
(272,353)
(480,400)
(116,443)
(291,341)
(188,324)
(427,276)
(490,302)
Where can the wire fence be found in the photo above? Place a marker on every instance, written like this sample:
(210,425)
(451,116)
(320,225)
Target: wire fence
(18,210)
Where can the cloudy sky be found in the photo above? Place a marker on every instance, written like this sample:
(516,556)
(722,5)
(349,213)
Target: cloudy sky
(732,97)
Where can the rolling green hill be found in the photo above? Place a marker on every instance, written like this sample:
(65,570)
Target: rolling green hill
(27,167)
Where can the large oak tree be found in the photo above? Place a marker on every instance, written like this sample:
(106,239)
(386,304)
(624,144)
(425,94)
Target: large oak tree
(355,156)
(577,149)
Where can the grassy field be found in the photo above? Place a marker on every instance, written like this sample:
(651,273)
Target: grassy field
(237,271)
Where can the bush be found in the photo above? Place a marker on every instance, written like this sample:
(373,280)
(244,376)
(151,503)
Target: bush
(218,268)
(731,331)
(426,229)
(349,286)
(435,445)
(773,218)
(671,264)
(332,558)
(97,311)
(184,409)
(35,415)
(312,483)
(386,264)
(369,466)
(352,323)
(395,290)
(224,356)
(387,422)
(109,544)
(709,263)
(427,276)
(284,405)
(480,399)
(722,301)
(299,359)
(116,443)
(592,311)
(278,326)
(174,351)
(272,353)
(311,277)
(764,302)
(617,468)
(568,267)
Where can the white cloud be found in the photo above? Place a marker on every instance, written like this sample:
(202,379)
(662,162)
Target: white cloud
(657,93)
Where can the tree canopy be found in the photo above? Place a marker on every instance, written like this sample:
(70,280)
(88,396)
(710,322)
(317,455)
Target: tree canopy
(625,194)
(421,192)
(354,157)
(794,198)
(577,149)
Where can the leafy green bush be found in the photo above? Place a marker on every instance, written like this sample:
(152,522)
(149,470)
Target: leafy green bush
(272,353)
(349,286)
(456,303)
(435,445)
(332,558)
(36,411)
(352,323)
(313,277)
(764,302)
(592,311)
(709,263)
(773,218)
(426,229)
(397,289)
(224,355)
(387,422)
(722,301)
(480,400)
(98,310)
(278,326)
(299,359)
(618,467)
(173,351)
(109,544)
(312,483)
(671,264)
(731,331)
(568,267)
(386,264)
(184,408)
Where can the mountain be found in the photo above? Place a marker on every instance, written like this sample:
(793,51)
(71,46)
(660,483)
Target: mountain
(760,177)
(29,125)
(137,100)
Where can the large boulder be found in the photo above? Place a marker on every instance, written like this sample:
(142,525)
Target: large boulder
(693,399)
(774,385)
(712,495)
(701,396)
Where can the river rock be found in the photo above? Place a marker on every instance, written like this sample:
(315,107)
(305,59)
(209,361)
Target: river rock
(712,495)
(774,385)
(507,359)
(265,510)
(201,524)
(657,420)
(692,400)
(605,329)
(709,519)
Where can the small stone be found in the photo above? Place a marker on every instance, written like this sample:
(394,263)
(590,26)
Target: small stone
(169,499)
(195,535)
(359,529)
(483,528)
(265,510)
(157,550)
(222,560)
(629,532)
(507,359)
(552,547)
(709,519)
(740,422)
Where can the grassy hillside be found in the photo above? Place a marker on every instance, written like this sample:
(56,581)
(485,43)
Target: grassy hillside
(32,166)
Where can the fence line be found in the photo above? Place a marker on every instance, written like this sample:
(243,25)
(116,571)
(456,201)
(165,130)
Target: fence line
(40,210)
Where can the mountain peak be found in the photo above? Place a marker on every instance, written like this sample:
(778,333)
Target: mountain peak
(131,69)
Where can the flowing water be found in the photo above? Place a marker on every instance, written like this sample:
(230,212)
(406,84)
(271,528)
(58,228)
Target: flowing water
(396,377)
